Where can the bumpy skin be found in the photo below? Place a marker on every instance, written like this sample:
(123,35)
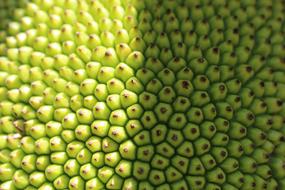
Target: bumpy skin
(142,94)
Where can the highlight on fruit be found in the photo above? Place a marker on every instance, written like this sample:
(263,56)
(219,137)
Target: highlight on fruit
(142,94)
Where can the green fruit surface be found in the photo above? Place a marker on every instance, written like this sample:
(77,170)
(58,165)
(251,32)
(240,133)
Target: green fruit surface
(142,94)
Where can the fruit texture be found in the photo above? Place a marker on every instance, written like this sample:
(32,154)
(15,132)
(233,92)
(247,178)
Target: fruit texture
(142,94)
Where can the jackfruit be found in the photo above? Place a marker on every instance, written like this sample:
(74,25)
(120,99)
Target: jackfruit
(142,94)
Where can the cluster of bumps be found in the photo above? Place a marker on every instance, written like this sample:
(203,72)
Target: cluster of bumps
(142,94)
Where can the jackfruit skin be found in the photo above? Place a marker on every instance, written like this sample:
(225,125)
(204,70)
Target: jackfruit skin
(142,94)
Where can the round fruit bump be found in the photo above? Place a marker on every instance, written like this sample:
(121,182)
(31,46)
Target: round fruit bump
(260,156)
(191,131)
(196,181)
(123,51)
(109,145)
(145,75)
(181,104)
(269,146)
(249,182)
(84,116)
(225,110)
(89,102)
(162,40)
(112,159)
(208,129)
(82,132)
(94,183)
(37,178)
(58,157)
(236,178)
(5,155)
(213,73)
(235,148)
(16,157)
(216,175)
(117,133)
(105,173)
(219,153)
(42,146)
(36,102)
(100,128)
(260,182)
(147,100)
(115,182)
(57,144)
(123,71)
(227,72)
(209,111)
(6,124)
(61,182)
(258,86)
(247,164)
(148,119)
(272,184)
(61,101)
(135,59)
(106,74)
(196,167)
(48,96)
(7,171)
(201,82)
(166,76)
(134,111)
(141,170)
(130,183)
(274,104)
(200,98)
(167,94)
(71,167)
(128,150)
(134,84)
(257,136)
(73,148)
(60,113)
(156,177)
(84,156)
(53,171)
(165,55)
(247,95)
(163,111)
(154,64)
(98,159)
(70,121)
(229,58)
(20,179)
(177,120)
(71,89)
(12,82)
(14,141)
(66,73)
(14,95)
(28,144)
(264,171)
(124,168)
(264,123)
(76,183)
(195,115)
(68,135)
(230,165)
(79,75)
(234,101)
(245,117)
(142,138)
